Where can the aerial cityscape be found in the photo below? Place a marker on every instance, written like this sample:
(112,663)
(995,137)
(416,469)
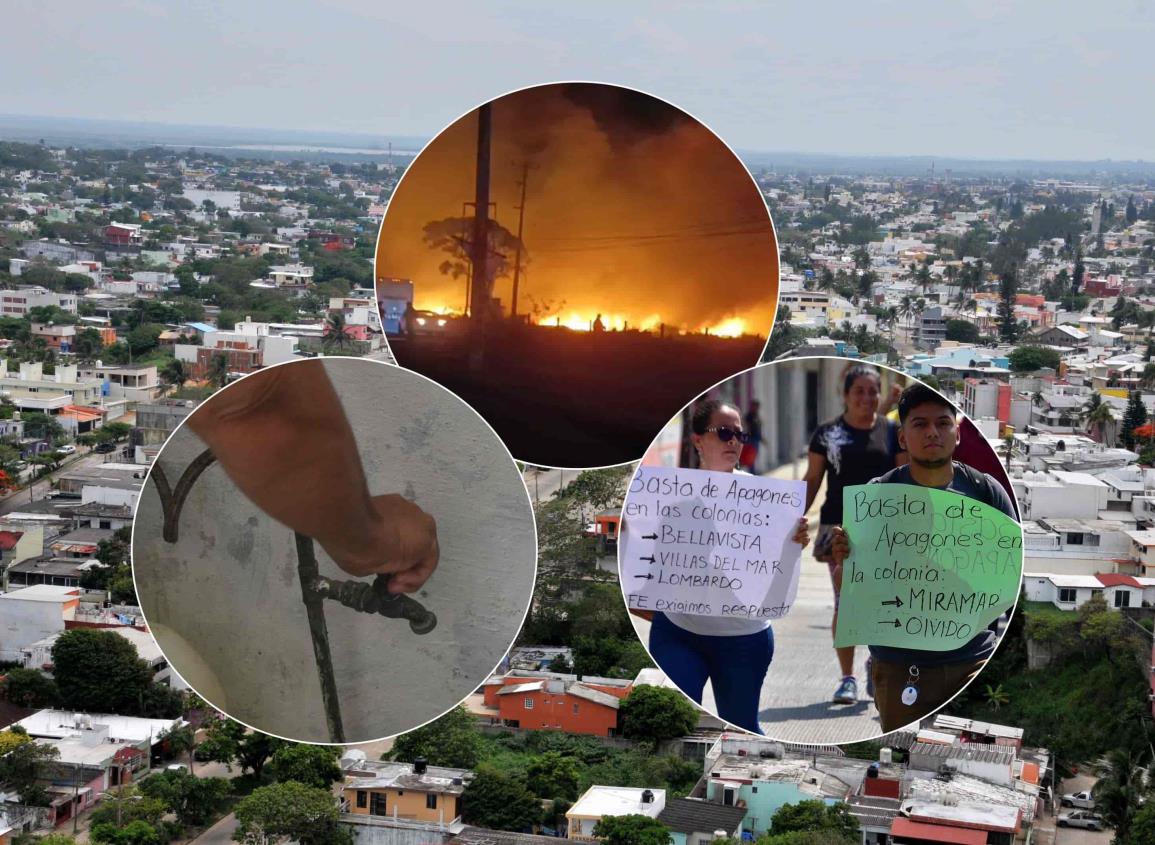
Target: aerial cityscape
(523,257)
(138,281)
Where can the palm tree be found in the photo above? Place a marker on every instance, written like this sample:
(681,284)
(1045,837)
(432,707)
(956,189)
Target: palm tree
(175,373)
(924,278)
(890,317)
(996,696)
(906,311)
(1117,793)
(1101,423)
(335,339)
(179,741)
(218,373)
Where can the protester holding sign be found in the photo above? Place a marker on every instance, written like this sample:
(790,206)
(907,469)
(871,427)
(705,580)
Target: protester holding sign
(910,683)
(732,646)
(856,447)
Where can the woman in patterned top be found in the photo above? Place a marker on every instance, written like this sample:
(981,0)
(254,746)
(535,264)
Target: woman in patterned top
(858,446)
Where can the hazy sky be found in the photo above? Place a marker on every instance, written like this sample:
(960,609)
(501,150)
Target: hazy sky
(975,79)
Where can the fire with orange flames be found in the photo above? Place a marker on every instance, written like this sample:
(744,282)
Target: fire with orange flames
(632,209)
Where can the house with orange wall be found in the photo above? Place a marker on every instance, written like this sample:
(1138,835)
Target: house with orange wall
(415,791)
(552,701)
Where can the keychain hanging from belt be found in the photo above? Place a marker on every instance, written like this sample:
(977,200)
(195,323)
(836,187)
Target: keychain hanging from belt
(910,691)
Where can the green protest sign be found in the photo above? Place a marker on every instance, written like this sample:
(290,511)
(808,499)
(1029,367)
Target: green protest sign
(928,569)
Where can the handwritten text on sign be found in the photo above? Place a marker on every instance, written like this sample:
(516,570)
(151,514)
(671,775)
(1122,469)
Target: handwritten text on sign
(928,569)
(711,543)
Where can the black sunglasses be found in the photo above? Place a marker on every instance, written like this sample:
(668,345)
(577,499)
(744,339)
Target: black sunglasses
(726,434)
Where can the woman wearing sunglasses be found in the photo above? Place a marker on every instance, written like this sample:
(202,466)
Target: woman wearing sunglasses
(732,654)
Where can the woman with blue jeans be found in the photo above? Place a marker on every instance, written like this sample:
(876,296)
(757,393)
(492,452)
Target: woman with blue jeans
(733,654)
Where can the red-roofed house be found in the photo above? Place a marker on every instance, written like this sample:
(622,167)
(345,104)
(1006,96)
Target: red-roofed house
(81,419)
(1121,590)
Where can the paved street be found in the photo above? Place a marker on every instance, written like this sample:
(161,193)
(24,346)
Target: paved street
(795,701)
(22,498)
(220,833)
(543,483)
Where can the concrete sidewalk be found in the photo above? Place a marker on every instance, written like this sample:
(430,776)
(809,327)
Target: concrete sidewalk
(796,701)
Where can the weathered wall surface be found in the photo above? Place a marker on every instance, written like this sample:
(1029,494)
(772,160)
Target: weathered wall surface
(229,586)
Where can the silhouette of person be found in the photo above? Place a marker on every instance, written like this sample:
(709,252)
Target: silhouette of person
(599,326)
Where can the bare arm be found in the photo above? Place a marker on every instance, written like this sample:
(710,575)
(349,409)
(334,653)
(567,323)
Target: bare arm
(815,469)
(282,436)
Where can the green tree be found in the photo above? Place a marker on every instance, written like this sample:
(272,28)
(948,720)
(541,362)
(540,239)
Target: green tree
(610,657)
(193,800)
(814,816)
(55,839)
(1025,359)
(144,338)
(312,765)
(231,742)
(654,714)
(601,612)
(175,373)
(136,832)
(99,671)
(1008,290)
(218,371)
(284,812)
(42,426)
(963,331)
(632,830)
(87,345)
(553,775)
(1133,417)
(118,431)
(1142,829)
(452,740)
(561,540)
(598,489)
(22,769)
(29,688)
(124,804)
(500,801)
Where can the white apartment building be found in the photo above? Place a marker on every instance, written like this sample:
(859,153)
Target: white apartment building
(17,302)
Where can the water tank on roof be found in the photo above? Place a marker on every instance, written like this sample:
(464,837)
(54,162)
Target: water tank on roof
(419,766)
(647,797)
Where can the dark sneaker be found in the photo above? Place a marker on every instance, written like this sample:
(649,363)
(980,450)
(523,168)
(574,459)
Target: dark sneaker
(847,692)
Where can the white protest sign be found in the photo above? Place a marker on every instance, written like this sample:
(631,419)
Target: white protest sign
(711,543)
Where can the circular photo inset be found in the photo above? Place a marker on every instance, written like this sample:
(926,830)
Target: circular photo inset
(821,550)
(334,551)
(569,243)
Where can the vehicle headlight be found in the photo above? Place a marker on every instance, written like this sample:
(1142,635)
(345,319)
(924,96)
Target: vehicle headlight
(421,321)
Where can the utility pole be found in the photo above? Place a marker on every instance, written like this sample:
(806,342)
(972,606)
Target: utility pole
(479,247)
(520,229)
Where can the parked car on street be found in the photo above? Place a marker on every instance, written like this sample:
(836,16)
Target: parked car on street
(105,448)
(66,449)
(1081,818)
(1078,799)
